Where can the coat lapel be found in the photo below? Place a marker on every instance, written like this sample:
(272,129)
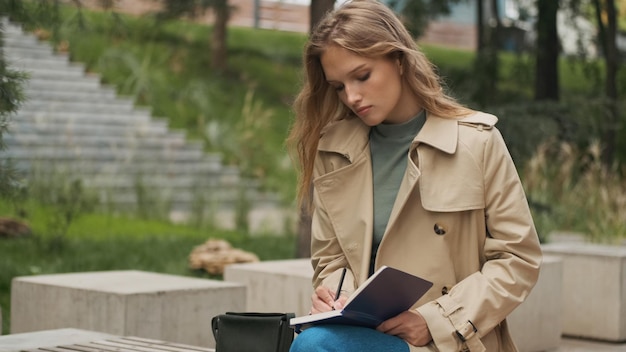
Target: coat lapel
(436,132)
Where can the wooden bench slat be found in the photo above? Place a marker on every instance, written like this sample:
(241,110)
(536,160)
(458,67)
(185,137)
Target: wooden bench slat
(146,345)
(104,348)
(165,344)
(80,348)
(129,347)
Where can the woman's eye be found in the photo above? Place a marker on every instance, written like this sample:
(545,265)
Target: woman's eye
(339,88)
(365,77)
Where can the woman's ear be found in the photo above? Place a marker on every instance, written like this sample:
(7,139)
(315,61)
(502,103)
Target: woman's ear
(399,62)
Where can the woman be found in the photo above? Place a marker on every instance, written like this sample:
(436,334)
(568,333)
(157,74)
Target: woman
(406,177)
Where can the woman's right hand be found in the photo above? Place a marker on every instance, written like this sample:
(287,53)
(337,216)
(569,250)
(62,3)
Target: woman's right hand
(323,300)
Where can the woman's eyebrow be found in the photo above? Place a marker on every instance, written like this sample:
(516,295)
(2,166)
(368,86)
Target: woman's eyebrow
(357,68)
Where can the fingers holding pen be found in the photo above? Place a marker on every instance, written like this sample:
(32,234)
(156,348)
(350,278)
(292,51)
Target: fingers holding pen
(340,303)
(323,299)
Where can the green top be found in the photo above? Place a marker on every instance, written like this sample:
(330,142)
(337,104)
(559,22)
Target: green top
(389,146)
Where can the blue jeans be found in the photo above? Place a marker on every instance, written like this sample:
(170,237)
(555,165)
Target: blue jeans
(344,338)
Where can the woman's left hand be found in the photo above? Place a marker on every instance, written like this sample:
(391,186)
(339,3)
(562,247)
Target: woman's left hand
(409,326)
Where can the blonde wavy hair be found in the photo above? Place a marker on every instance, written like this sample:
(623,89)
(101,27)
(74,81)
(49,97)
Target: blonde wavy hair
(370,29)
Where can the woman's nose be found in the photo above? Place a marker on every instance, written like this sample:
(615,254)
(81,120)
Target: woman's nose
(353,95)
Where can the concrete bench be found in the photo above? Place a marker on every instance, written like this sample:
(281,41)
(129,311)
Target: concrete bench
(594,290)
(537,324)
(285,286)
(275,286)
(124,303)
(78,340)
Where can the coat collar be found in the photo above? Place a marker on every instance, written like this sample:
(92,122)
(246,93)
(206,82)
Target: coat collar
(351,136)
(348,137)
(439,133)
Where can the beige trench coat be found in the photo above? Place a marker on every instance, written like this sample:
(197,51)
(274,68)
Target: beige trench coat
(461,220)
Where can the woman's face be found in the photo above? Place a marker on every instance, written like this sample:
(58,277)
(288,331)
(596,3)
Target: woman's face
(372,88)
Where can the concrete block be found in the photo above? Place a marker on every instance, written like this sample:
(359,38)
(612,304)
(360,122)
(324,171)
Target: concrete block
(536,325)
(136,303)
(48,338)
(275,286)
(594,290)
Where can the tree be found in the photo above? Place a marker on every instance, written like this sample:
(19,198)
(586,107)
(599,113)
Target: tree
(606,17)
(194,8)
(11,96)
(317,10)
(480,26)
(487,61)
(547,51)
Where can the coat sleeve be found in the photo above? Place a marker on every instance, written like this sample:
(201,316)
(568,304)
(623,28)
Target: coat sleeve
(481,301)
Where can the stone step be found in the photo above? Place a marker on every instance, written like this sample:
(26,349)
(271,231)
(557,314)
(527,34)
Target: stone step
(114,107)
(126,182)
(78,127)
(170,141)
(64,83)
(137,117)
(211,164)
(11,27)
(16,54)
(53,61)
(74,70)
(122,176)
(103,95)
(26,45)
(35,153)
(15,37)
(181,199)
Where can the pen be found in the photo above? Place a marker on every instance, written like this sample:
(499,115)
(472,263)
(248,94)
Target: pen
(343,275)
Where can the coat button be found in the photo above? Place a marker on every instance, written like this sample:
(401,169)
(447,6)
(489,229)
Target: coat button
(444,290)
(439,229)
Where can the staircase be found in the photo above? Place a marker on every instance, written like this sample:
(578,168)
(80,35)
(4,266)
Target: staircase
(73,127)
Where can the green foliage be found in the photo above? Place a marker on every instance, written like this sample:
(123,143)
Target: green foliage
(11,97)
(527,125)
(64,198)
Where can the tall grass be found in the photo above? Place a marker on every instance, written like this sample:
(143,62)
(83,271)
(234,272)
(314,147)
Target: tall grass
(572,189)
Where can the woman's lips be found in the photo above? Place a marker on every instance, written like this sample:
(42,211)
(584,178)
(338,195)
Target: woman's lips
(363,111)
